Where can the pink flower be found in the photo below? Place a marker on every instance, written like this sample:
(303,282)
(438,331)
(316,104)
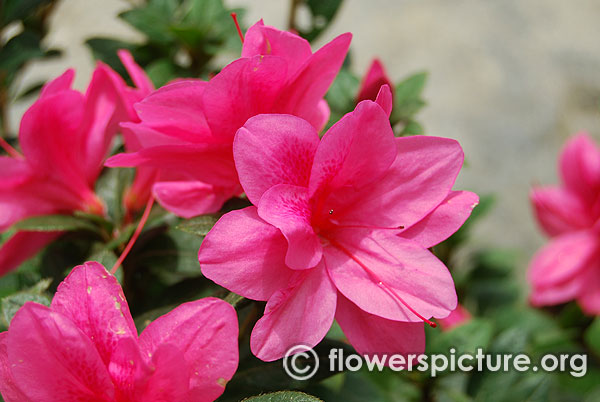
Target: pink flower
(187,127)
(458,316)
(567,267)
(373,80)
(85,347)
(136,196)
(65,136)
(340,228)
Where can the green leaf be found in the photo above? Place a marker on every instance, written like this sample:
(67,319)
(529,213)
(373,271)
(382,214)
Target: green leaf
(465,338)
(412,128)
(105,49)
(407,97)
(200,225)
(18,51)
(161,71)
(111,187)
(342,94)
(13,10)
(11,304)
(592,336)
(153,19)
(322,13)
(53,223)
(284,396)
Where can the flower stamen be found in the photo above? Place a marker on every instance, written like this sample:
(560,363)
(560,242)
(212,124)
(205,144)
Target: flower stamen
(381,283)
(237,26)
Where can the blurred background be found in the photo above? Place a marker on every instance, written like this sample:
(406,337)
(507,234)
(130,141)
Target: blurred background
(510,80)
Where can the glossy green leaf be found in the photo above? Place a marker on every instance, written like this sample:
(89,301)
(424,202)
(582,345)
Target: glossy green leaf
(284,396)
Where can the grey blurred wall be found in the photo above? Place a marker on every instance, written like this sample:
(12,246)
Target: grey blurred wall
(509,79)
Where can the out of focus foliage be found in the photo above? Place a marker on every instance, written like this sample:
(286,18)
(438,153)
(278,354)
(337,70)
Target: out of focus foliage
(181,38)
(23,26)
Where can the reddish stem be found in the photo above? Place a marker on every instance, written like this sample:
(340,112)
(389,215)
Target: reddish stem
(9,149)
(136,234)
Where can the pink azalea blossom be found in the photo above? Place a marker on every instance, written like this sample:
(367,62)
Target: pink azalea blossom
(340,228)
(187,127)
(85,347)
(136,196)
(457,317)
(373,80)
(65,136)
(567,267)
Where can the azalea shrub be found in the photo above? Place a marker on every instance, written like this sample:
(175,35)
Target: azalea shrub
(171,232)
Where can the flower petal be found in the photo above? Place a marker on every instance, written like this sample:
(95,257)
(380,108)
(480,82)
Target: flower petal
(287,208)
(267,40)
(559,211)
(52,360)
(302,313)
(372,82)
(61,83)
(208,163)
(9,390)
(137,74)
(244,88)
(23,246)
(302,95)
(580,166)
(191,198)
(206,331)
(384,99)
(93,300)
(355,151)
(51,140)
(418,181)
(443,221)
(373,335)
(390,277)
(176,110)
(563,258)
(246,255)
(274,149)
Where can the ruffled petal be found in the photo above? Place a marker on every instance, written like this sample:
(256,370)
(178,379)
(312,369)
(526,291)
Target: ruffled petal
(300,314)
(206,332)
(52,360)
(443,221)
(244,88)
(93,300)
(274,149)
(246,255)
(287,207)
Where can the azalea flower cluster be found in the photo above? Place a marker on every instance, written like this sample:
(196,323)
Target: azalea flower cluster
(340,226)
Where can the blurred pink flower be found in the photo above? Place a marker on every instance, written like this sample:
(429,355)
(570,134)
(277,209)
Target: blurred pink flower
(85,347)
(567,267)
(340,228)
(65,136)
(373,80)
(458,316)
(187,127)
